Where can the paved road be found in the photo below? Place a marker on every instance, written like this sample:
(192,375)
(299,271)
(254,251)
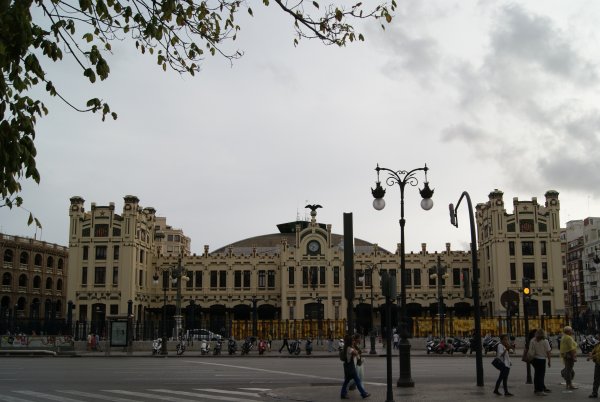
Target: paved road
(236,379)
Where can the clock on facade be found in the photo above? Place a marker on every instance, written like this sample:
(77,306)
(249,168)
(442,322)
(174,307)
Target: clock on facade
(314,247)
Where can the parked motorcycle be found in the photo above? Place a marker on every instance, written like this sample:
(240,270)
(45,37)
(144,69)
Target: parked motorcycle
(217,349)
(247,346)
(587,343)
(262,346)
(204,347)
(461,345)
(309,346)
(180,348)
(295,348)
(490,344)
(231,346)
(156,346)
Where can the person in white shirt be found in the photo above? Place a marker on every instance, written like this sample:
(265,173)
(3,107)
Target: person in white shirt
(503,353)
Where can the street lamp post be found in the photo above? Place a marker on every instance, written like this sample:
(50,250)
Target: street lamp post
(475,284)
(440,275)
(402,177)
(254,323)
(370,269)
(177,275)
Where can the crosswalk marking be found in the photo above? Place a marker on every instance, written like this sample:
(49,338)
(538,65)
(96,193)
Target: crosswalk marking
(216,397)
(98,396)
(49,396)
(12,399)
(150,396)
(224,391)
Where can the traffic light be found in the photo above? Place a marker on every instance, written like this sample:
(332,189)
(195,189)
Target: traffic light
(526,289)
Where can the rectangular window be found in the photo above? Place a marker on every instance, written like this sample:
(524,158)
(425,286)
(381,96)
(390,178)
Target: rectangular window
(547,307)
(198,280)
(291,312)
(222,280)
(322,276)
(101,252)
(314,277)
(290,276)
(116,253)
(84,276)
(141,279)
(261,279)
(190,282)
(526,225)
(101,230)
(456,277)
(85,232)
(544,271)
(408,277)
(247,275)
(305,277)
(85,253)
(336,276)
(83,312)
(165,280)
(529,270)
(513,271)
(271,279)
(237,279)
(417,277)
(177,238)
(511,247)
(543,248)
(527,248)
(100,276)
(170,237)
(115,276)
(114,309)
(141,256)
(213,279)
(432,282)
(116,232)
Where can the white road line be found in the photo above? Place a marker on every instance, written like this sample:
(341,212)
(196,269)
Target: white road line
(199,395)
(281,372)
(257,389)
(148,396)
(13,399)
(98,396)
(48,396)
(224,391)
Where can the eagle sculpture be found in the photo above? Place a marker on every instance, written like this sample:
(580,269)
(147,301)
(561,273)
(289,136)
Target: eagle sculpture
(313,207)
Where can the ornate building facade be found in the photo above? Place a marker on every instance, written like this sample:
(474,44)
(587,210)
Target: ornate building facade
(34,280)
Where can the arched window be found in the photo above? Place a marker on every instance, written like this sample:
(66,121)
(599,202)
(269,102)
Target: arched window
(23,281)
(49,284)
(60,263)
(37,260)
(24,258)
(37,282)
(59,284)
(50,262)
(8,256)
(6,279)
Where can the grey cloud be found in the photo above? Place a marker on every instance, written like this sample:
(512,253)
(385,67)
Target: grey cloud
(571,172)
(526,38)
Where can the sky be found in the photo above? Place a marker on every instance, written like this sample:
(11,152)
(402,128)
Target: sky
(489,94)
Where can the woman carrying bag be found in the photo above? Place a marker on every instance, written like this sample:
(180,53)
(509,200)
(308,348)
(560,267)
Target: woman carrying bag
(502,353)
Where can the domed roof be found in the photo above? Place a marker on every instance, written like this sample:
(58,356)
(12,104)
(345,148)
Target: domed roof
(270,243)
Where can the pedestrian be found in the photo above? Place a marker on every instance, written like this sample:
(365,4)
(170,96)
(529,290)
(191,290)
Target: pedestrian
(595,357)
(89,342)
(269,340)
(358,362)
(350,372)
(330,342)
(568,352)
(285,344)
(93,341)
(502,352)
(97,342)
(396,339)
(539,353)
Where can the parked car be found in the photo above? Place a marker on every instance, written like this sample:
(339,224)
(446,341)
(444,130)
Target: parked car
(202,334)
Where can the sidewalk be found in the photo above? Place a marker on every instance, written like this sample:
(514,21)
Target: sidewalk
(463,392)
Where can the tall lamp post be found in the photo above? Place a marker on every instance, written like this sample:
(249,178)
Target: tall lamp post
(475,284)
(440,275)
(254,322)
(177,274)
(369,269)
(402,178)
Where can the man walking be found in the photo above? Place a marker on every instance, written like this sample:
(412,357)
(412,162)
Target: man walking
(285,344)
(568,352)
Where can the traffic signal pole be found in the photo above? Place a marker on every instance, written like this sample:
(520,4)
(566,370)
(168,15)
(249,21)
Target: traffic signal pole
(526,291)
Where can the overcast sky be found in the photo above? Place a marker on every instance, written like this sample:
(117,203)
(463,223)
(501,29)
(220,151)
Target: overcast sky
(490,94)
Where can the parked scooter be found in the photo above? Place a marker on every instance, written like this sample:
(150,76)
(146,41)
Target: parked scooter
(461,345)
(490,344)
(204,347)
(180,348)
(247,346)
(217,349)
(231,346)
(309,346)
(156,346)
(262,346)
(295,348)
